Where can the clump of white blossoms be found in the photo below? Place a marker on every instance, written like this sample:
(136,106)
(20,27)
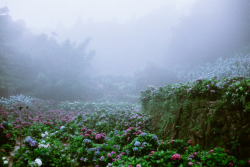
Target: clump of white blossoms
(44,134)
(43,145)
(5,160)
(39,161)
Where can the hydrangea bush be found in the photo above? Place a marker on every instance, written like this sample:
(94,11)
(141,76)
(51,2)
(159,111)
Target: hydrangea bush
(75,138)
(238,65)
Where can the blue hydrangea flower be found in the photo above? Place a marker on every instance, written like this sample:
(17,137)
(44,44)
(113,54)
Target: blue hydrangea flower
(135,149)
(137,144)
(99,148)
(143,144)
(117,131)
(86,141)
(154,137)
(97,153)
(143,134)
(127,151)
(62,128)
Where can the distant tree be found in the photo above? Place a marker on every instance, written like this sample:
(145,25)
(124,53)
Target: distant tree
(40,66)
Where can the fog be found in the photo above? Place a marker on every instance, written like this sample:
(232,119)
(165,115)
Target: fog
(130,33)
(143,39)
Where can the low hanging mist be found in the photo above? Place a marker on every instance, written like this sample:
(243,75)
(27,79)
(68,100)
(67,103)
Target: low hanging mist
(118,50)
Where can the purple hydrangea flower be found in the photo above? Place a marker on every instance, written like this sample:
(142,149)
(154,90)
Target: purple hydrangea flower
(28,139)
(33,143)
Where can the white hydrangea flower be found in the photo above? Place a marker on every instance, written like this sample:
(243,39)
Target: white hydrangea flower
(4,158)
(38,161)
(43,135)
(5,162)
(43,145)
(46,133)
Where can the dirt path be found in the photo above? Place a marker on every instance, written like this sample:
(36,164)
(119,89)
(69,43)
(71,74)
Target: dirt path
(12,153)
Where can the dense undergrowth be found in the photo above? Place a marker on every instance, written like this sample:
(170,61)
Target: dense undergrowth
(101,134)
(212,112)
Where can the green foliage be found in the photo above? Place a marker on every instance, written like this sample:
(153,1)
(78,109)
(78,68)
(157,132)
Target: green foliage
(7,135)
(175,145)
(204,104)
(218,157)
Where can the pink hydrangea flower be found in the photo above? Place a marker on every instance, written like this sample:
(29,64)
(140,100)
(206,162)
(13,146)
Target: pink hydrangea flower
(211,151)
(190,163)
(176,156)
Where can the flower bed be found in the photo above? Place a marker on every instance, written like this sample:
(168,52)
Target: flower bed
(109,136)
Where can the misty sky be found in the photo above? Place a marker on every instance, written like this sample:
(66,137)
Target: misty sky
(47,13)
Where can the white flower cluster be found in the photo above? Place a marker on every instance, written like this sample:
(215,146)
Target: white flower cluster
(39,161)
(238,65)
(44,134)
(43,145)
(5,161)
(18,100)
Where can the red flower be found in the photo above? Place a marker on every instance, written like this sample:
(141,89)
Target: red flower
(8,135)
